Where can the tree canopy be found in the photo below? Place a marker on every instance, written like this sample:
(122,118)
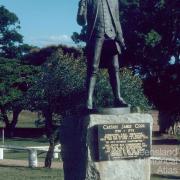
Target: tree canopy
(15,79)
(11,42)
(151,33)
(62,82)
(15,76)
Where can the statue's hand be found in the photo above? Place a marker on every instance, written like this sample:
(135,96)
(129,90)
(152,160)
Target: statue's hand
(124,47)
(121,43)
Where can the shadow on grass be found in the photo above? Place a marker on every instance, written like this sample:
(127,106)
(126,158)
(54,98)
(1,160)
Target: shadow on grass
(39,140)
(19,167)
(171,177)
(10,172)
(10,166)
(166,142)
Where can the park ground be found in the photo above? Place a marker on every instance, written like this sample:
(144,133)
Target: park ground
(20,172)
(15,164)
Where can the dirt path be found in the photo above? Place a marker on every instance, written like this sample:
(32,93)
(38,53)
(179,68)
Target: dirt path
(24,163)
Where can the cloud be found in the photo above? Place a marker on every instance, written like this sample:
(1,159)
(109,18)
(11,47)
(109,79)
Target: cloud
(60,38)
(51,40)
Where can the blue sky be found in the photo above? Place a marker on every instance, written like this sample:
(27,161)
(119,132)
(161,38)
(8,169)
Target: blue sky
(45,22)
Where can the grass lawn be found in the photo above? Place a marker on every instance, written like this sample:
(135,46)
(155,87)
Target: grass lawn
(26,141)
(164,177)
(27,119)
(23,155)
(20,173)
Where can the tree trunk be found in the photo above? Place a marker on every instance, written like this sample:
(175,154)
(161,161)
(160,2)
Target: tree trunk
(48,122)
(49,133)
(14,121)
(10,126)
(53,141)
(49,155)
(4,116)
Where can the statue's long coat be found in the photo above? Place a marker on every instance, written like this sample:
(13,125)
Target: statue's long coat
(87,14)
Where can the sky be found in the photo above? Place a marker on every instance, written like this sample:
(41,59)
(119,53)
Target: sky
(45,22)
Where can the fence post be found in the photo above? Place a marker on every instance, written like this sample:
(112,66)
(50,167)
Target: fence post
(33,161)
(56,155)
(1,154)
(3,136)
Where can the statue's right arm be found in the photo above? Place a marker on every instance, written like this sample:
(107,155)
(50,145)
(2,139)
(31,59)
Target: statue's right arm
(82,13)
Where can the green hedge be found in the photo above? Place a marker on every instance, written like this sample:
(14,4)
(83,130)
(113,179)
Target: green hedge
(131,90)
(63,85)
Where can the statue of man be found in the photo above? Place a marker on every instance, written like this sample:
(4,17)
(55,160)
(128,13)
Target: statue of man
(104,41)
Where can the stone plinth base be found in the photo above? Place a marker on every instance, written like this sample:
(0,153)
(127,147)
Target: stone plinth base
(80,150)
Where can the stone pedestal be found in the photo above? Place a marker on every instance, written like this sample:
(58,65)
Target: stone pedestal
(122,169)
(80,150)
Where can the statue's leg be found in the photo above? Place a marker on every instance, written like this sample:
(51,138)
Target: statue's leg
(94,53)
(115,82)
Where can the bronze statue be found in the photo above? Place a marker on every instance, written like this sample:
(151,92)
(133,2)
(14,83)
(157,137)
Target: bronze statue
(105,40)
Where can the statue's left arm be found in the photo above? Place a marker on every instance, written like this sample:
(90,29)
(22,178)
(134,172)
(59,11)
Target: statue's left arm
(82,13)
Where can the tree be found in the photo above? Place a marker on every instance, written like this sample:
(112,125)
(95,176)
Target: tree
(58,80)
(15,79)
(152,36)
(151,33)
(9,37)
(62,81)
(61,88)
(11,42)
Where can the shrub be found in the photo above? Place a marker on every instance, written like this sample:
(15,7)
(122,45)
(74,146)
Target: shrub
(63,85)
(131,90)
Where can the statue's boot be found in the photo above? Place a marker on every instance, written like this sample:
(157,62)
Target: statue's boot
(115,84)
(90,91)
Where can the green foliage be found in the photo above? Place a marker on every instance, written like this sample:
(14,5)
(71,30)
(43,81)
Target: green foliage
(9,37)
(61,86)
(25,173)
(61,78)
(1,117)
(165,93)
(131,90)
(152,38)
(151,33)
(15,78)
(11,42)
(8,74)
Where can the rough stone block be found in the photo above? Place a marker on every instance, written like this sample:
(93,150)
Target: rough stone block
(123,169)
(80,150)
